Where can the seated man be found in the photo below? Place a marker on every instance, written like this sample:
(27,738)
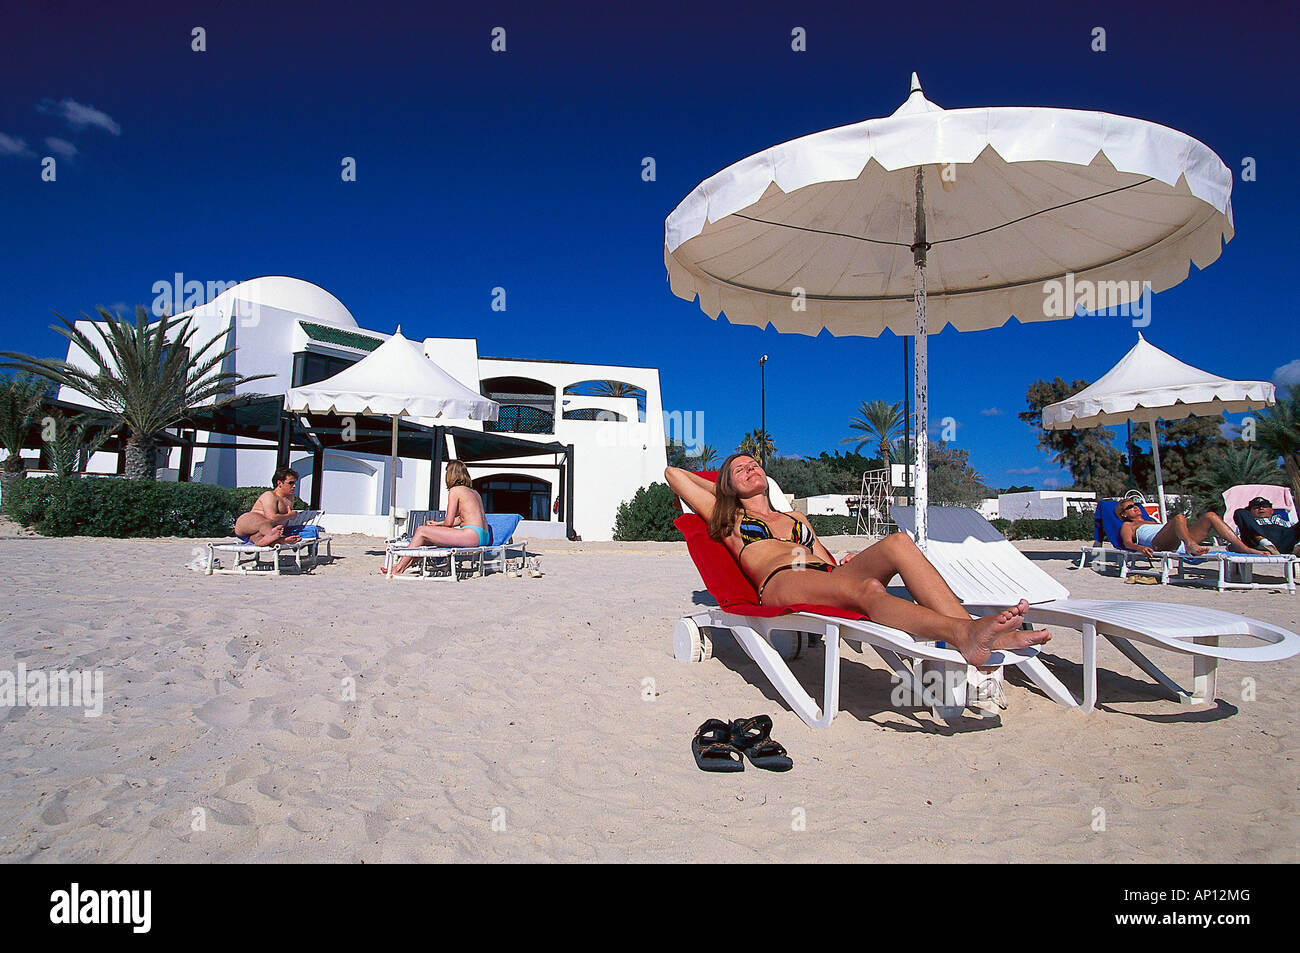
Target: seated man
(1264,528)
(1147,538)
(263,525)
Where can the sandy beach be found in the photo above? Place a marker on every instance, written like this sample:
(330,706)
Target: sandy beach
(336,716)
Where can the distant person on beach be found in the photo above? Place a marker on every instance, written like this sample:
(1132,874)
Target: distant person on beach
(463,526)
(263,525)
(1175,536)
(1262,526)
(788,565)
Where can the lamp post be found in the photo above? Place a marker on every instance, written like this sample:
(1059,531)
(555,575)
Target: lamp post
(762,431)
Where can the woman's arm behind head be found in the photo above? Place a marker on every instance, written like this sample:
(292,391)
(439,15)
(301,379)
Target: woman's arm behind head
(696,491)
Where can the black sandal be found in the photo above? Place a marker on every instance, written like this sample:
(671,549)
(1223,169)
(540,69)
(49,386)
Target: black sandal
(713,749)
(753,737)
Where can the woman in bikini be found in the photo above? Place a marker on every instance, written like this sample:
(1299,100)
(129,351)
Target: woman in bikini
(1175,536)
(463,526)
(788,565)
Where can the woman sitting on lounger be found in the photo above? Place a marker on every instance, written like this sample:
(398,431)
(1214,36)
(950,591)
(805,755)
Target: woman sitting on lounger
(788,565)
(1176,535)
(462,527)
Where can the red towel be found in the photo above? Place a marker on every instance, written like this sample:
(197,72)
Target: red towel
(725,581)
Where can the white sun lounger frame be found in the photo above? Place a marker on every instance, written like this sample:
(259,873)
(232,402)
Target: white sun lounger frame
(1212,565)
(248,556)
(481,559)
(986,571)
(759,637)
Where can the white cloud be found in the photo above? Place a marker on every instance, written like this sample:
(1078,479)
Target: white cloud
(13,146)
(1288,375)
(62,146)
(990,412)
(1024,471)
(1052,482)
(78,115)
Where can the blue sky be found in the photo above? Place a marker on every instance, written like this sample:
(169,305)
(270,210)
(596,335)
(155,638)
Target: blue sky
(522,170)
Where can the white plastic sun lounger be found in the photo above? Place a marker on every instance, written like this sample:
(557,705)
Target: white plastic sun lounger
(450,563)
(986,571)
(248,556)
(1216,567)
(773,642)
(928,675)
(1224,570)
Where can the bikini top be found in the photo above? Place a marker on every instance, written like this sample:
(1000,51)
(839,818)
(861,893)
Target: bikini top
(752,529)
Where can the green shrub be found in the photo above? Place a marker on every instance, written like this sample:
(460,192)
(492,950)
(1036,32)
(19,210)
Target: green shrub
(128,508)
(648,515)
(1002,526)
(824,525)
(1074,526)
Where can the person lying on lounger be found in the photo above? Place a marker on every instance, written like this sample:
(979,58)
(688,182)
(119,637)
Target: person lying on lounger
(788,565)
(263,525)
(463,526)
(1146,538)
(1261,525)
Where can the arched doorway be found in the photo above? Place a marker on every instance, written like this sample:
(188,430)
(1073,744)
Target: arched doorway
(515,493)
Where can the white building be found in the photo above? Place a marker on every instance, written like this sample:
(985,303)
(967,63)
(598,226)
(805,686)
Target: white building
(1045,504)
(298,333)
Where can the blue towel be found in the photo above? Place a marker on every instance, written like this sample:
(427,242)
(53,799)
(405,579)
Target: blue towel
(501,527)
(1106,522)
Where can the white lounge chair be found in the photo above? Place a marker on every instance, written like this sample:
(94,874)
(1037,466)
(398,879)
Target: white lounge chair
(1237,497)
(450,563)
(985,571)
(248,556)
(929,675)
(1225,570)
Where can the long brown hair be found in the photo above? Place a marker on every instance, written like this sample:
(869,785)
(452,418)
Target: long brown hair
(458,475)
(727,507)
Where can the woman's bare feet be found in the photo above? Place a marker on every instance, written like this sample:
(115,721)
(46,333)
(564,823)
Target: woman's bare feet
(1001,631)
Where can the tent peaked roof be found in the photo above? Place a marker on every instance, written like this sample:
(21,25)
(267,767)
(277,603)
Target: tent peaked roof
(1148,384)
(394,380)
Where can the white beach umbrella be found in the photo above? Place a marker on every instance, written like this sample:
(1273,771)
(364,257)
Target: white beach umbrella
(1148,384)
(974,214)
(394,380)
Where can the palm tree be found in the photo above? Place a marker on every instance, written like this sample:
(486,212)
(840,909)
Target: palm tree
(70,441)
(20,399)
(878,421)
(620,389)
(1278,432)
(757,444)
(1233,466)
(140,377)
(703,458)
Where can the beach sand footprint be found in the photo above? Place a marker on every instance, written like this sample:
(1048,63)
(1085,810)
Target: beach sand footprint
(222,712)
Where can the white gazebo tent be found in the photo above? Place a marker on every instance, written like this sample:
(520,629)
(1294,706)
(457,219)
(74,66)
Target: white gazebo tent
(394,380)
(1148,384)
(977,214)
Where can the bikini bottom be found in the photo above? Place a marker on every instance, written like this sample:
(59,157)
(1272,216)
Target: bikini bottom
(819,566)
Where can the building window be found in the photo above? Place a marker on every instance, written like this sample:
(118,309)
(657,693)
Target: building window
(594,413)
(514,418)
(310,367)
(527,405)
(608,388)
(527,496)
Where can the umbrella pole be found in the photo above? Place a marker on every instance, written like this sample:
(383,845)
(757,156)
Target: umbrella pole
(1160,479)
(921,376)
(392,487)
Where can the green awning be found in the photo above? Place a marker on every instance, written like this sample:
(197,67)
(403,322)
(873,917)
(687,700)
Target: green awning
(329,335)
